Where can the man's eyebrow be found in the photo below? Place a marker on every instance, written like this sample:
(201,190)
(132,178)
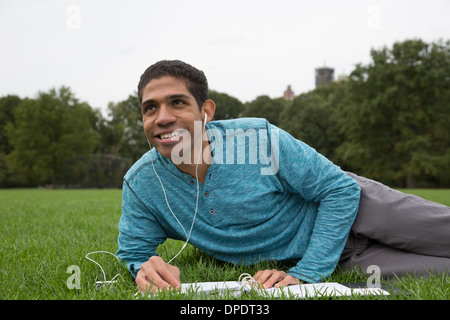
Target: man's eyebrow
(149,101)
(169,97)
(178,96)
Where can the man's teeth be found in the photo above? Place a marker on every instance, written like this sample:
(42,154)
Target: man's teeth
(169,135)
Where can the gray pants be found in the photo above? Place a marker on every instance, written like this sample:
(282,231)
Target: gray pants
(398,232)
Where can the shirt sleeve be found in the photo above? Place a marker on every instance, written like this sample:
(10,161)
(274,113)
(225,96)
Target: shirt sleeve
(139,232)
(314,178)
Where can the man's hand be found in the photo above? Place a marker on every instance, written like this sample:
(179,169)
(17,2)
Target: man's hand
(269,278)
(156,274)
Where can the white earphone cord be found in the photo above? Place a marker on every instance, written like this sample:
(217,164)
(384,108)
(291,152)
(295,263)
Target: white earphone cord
(188,236)
(98,283)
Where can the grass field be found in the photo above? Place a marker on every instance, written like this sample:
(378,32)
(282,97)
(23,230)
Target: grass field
(44,232)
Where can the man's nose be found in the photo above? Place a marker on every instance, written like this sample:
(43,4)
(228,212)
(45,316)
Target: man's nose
(165,116)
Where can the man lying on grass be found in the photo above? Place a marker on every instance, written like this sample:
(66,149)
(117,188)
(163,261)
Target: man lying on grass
(244,190)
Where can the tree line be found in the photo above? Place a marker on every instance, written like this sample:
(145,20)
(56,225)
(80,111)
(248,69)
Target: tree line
(389,120)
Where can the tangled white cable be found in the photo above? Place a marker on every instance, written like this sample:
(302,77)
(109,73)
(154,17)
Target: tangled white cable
(245,279)
(98,284)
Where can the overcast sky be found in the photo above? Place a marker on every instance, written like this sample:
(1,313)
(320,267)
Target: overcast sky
(246,48)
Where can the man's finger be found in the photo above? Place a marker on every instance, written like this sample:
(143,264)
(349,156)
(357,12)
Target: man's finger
(262,276)
(289,280)
(156,274)
(153,284)
(268,278)
(170,275)
(274,278)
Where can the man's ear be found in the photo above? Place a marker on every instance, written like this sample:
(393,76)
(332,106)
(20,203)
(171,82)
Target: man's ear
(209,107)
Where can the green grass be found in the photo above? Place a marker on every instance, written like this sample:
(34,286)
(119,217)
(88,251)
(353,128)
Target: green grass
(43,232)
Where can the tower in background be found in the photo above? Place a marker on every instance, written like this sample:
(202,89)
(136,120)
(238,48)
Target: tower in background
(288,93)
(324,76)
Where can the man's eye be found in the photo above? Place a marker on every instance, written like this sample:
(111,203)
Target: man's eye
(149,107)
(178,102)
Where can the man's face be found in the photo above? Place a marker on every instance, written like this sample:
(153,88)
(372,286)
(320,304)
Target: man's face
(168,108)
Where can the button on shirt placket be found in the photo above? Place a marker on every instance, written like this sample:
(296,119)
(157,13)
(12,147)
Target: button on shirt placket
(206,195)
(209,203)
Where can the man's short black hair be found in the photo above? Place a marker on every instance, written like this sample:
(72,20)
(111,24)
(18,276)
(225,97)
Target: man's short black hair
(195,79)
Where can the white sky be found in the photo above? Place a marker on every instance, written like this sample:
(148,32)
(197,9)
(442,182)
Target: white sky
(99,48)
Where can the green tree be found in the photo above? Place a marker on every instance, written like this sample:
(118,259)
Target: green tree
(123,130)
(47,130)
(227,107)
(312,118)
(265,107)
(7,106)
(397,125)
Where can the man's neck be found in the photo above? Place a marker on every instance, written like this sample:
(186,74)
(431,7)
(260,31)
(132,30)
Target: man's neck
(198,167)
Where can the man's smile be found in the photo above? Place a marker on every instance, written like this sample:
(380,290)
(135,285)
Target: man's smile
(169,136)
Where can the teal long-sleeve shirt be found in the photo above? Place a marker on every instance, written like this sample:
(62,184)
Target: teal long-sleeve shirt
(266,196)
